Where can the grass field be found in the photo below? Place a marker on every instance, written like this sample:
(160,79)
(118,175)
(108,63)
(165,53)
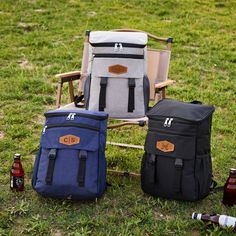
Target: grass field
(41,38)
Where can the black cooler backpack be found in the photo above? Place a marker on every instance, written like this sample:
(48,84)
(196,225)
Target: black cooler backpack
(177,159)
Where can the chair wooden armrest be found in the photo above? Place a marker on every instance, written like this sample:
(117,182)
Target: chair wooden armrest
(63,78)
(164,84)
(70,74)
(160,89)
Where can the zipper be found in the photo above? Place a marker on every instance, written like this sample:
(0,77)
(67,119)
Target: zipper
(168,132)
(113,55)
(95,117)
(177,119)
(83,126)
(127,45)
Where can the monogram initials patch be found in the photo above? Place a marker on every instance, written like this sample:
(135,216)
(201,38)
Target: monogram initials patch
(117,69)
(165,146)
(69,139)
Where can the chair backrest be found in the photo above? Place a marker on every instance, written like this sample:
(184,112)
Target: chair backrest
(158,66)
(157,61)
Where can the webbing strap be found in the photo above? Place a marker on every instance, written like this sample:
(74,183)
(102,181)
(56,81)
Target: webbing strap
(78,100)
(82,167)
(178,175)
(131,84)
(214,188)
(51,163)
(152,169)
(102,95)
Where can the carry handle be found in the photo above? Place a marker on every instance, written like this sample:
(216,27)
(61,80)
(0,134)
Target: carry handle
(165,40)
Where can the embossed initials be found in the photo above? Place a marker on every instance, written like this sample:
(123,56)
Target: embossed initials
(69,139)
(118,69)
(165,146)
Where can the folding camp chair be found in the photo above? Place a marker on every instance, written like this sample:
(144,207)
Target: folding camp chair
(157,71)
(158,66)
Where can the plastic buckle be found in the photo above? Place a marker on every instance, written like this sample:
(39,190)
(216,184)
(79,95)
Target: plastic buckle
(103,81)
(178,163)
(131,82)
(83,155)
(52,154)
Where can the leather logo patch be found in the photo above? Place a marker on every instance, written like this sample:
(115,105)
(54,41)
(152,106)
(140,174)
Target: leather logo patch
(165,146)
(69,140)
(118,69)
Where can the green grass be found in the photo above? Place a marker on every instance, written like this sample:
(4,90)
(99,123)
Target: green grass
(41,38)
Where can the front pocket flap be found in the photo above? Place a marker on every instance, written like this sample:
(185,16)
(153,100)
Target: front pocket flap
(70,138)
(170,145)
(118,67)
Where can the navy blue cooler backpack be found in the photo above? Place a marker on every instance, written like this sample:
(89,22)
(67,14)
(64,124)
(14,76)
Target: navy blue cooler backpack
(71,160)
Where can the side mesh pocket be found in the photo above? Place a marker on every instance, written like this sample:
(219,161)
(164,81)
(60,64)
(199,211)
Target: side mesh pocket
(203,173)
(87,90)
(146,92)
(35,169)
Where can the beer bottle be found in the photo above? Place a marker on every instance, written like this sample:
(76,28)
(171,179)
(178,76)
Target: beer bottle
(222,220)
(229,196)
(17,174)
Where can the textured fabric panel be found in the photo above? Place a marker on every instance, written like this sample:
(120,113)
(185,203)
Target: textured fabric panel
(125,50)
(70,132)
(117,97)
(119,37)
(135,67)
(184,110)
(180,144)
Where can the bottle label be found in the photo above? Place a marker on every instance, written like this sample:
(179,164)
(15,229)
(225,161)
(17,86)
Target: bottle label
(231,186)
(17,182)
(227,221)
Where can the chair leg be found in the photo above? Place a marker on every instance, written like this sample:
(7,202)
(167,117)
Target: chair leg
(71,91)
(124,145)
(160,94)
(59,93)
(163,93)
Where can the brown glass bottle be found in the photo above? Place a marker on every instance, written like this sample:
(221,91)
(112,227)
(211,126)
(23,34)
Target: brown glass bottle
(229,196)
(221,220)
(17,174)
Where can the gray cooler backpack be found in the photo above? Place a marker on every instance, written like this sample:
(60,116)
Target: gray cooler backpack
(117,83)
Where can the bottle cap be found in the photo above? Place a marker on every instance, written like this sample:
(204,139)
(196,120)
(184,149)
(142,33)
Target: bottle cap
(17,156)
(196,216)
(232,171)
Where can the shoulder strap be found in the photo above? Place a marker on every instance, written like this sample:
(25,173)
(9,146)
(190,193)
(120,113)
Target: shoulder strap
(131,84)
(102,95)
(214,188)
(178,175)
(82,167)
(51,163)
(78,101)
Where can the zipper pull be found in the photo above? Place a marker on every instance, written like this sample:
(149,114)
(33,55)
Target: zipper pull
(71,116)
(116,47)
(121,47)
(44,129)
(166,122)
(169,123)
